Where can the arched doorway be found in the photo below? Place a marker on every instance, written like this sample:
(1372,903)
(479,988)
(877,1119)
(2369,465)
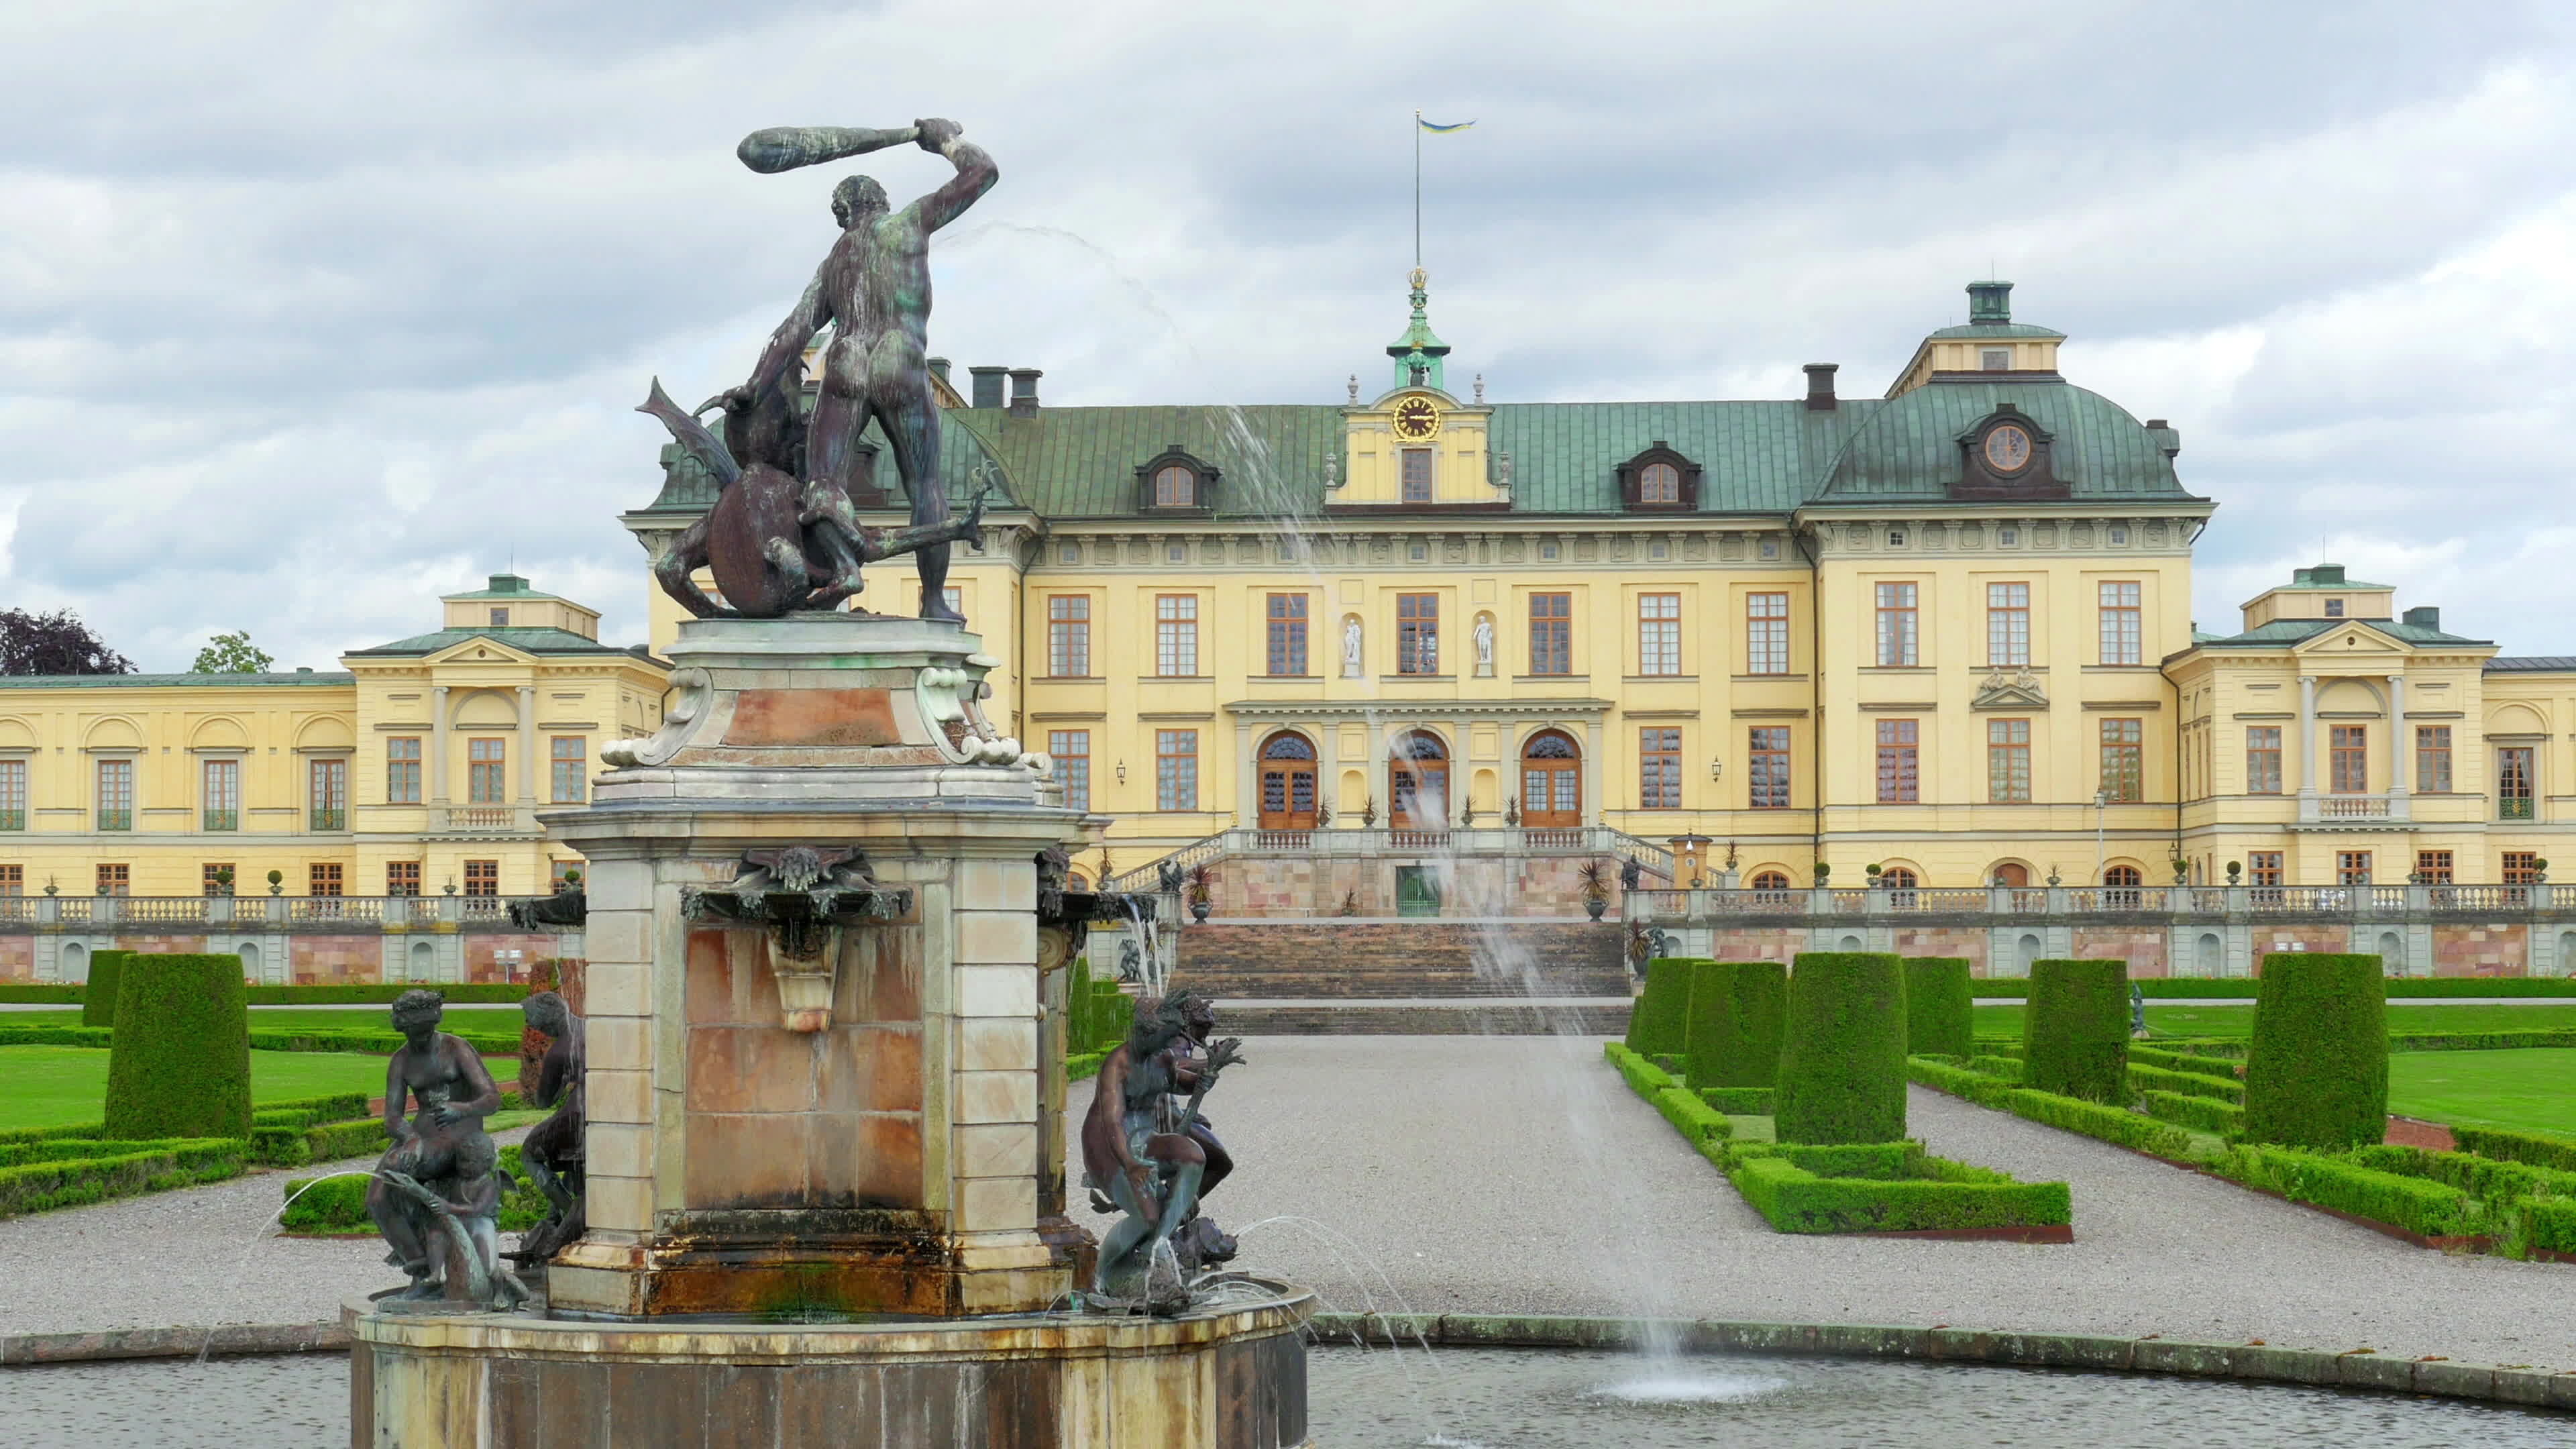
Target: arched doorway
(1551,781)
(2011,875)
(1288,783)
(75,962)
(1417,782)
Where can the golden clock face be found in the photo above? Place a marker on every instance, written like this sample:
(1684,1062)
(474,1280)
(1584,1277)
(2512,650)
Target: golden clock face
(2007,449)
(1416,419)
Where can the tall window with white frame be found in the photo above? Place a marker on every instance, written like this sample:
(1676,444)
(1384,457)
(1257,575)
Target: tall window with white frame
(1069,636)
(221,809)
(2123,761)
(2348,759)
(1766,771)
(1898,639)
(2008,761)
(1551,633)
(1176,635)
(2514,776)
(330,794)
(1659,634)
(402,770)
(1071,750)
(1417,633)
(1176,769)
(1899,772)
(13,794)
(1766,633)
(1417,475)
(116,794)
(2123,628)
(1659,768)
(2007,625)
(487,772)
(568,772)
(2262,759)
(2433,759)
(1287,641)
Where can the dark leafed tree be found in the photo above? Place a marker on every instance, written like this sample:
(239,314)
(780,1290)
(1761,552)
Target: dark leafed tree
(55,643)
(231,654)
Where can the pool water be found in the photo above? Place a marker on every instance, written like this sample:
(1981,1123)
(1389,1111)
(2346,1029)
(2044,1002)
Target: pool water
(1456,1399)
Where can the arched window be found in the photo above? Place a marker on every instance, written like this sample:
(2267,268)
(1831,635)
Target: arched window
(1899,878)
(1288,783)
(1176,486)
(1417,782)
(2122,875)
(1771,880)
(2120,888)
(1659,483)
(1551,782)
(2010,874)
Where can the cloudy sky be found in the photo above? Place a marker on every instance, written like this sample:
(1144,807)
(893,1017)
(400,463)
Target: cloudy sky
(309,312)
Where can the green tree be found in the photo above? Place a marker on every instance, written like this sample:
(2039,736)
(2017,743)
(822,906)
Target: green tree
(231,654)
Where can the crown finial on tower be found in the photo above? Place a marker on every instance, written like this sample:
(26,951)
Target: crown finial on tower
(1418,352)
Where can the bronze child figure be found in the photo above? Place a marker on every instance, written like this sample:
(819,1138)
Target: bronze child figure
(435,1196)
(1138,1147)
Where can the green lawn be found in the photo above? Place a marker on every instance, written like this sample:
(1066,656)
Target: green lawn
(63,1086)
(2239,1020)
(480,1020)
(2530,1091)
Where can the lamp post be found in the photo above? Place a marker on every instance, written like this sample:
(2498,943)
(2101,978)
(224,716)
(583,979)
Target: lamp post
(2101,799)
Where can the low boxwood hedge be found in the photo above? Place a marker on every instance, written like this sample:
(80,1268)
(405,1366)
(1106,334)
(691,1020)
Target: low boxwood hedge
(1643,1077)
(2316,1067)
(74,1149)
(337,1205)
(1957,1080)
(61,1036)
(2393,988)
(1922,1194)
(2549,1225)
(2537,1148)
(1842,1059)
(2413,1204)
(2182,1059)
(2480,1041)
(33,993)
(2200,1114)
(461,993)
(2189,1084)
(1940,1006)
(2075,1032)
(1660,1022)
(2009,1069)
(1740,1101)
(2116,1125)
(70,1182)
(1737,1010)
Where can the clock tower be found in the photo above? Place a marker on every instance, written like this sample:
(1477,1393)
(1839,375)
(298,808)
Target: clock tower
(1415,448)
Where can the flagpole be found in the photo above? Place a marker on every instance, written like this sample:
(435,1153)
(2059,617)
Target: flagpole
(1417,189)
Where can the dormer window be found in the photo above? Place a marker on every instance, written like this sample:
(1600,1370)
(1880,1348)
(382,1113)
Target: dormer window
(1995,359)
(1175,482)
(2334,608)
(1659,480)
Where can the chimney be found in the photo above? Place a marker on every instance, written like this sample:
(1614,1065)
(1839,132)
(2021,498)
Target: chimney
(1820,386)
(939,369)
(2425,616)
(988,386)
(1024,391)
(1989,303)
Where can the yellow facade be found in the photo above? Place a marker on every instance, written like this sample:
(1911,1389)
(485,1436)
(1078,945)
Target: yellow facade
(420,767)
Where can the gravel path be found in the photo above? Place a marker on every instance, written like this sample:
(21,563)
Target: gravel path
(190,1257)
(1518,1174)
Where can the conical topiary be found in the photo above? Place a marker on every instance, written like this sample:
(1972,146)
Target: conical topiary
(2075,1033)
(2316,1072)
(1842,1057)
(179,1064)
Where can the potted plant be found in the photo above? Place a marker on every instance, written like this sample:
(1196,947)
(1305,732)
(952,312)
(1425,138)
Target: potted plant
(224,881)
(277,882)
(1323,815)
(2182,871)
(1824,873)
(1466,814)
(1368,812)
(1512,811)
(1873,870)
(50,887)
(1596,888)
(2235,868)
(2053,877)
(1350,903)
(1202,891)
(2539,871)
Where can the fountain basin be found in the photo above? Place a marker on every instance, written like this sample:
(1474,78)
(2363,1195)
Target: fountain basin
(1228,1376)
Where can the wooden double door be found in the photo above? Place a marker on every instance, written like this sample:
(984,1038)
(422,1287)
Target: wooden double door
(1288,783)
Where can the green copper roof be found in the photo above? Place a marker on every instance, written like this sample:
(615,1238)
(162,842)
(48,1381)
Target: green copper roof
(689,489)
(505,586)
(1910,445)
(300,677)
(2532,664)
(526,641)
(2324,578)
(1998,329)
(2282,633)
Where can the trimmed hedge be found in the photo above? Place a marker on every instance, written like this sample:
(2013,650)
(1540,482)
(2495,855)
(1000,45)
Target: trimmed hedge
(2480,1041)
(1958,1081)
(74,1149)
(2549,1225)
(2316,1070)
(2189,1084)
(2116,1125)
(1084,1067)
(1940,1006)
(2010,1069)
(179,1065)
(1740,1101)
(2174,1059)
(98,1003)
(338,1205)
(36,1186)
(461,993)
(1737,1009)
(1642,1076)
(2201,1114)
(2413,1204)
(1924,1194)
(28,993)
(1660,1022)
(1842,1059)
(378,1043)
(2075,1033)
(2537,1148)
(2395,988)
(63,1036)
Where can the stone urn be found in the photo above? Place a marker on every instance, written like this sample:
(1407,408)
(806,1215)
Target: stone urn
(1199,910)
(1593,906)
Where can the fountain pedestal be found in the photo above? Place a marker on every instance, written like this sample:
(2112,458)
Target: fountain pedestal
(824,1095)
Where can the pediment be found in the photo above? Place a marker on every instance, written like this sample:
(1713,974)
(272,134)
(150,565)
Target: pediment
(2015,689)
(2353,641)
(480,650)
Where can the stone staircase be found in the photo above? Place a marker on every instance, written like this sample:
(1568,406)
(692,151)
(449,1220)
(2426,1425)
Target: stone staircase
(1408,977)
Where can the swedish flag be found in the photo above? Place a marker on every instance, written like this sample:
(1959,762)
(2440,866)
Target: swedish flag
(1436,128)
